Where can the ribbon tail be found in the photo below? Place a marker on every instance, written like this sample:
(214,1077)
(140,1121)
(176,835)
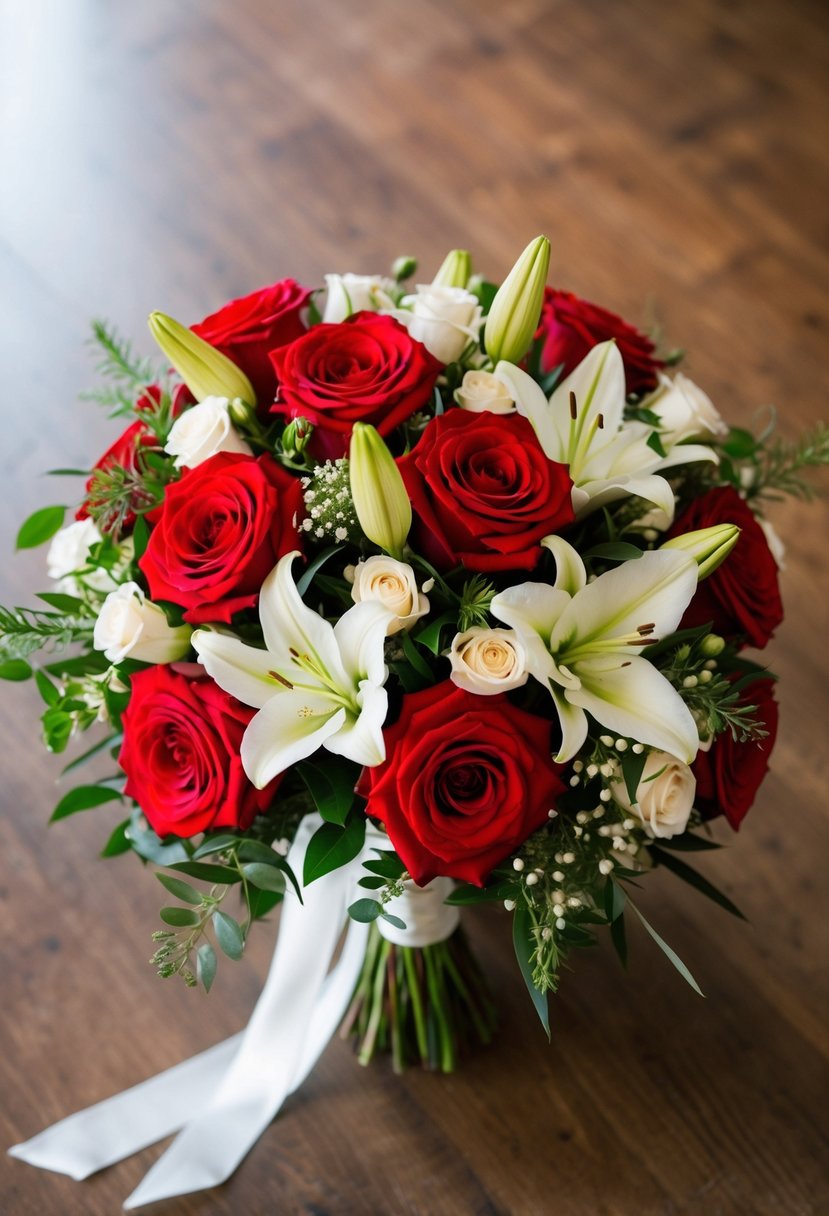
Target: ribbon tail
(107,1132)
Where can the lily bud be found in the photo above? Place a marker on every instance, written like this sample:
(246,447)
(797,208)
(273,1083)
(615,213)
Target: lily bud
(516,309)
(403,268)
(709,547)
(377,491)
(296,435)
(205,370)
(455,270)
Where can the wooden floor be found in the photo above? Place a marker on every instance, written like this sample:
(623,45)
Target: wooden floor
(162,155)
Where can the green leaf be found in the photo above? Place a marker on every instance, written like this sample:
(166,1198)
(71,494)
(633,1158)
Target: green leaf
(388,865)
(266,878)
(372,884)
(332,846)
(179,917)
(40,527)
(216,875)
(15,669)
(78,665)
(614,900)
(215,844)
(522,940)
(229,935)
(49,692)
(365,910)
(417,661)
(672,956)
(393,920)
(67,472)
(331,784)
(93,751)
(181,890)
(694,879)
(146,844)
(430,636)
(260,902)
(467,894)
(740,444)
(83,798)
(57,728)
(619,938)
(255,850)
(689,843)
(119,841)
(140,537)
(632,768)
(304,582)
(615,551)
(206,965)
(64,603)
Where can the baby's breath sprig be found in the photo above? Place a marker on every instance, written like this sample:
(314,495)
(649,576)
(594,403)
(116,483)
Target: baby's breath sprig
(327,494)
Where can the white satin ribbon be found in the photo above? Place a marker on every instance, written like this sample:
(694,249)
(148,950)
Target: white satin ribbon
(238,1086)
(428,919)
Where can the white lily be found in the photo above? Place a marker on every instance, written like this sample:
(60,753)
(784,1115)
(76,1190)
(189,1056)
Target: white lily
(583,426)
(316,684)
(584,641)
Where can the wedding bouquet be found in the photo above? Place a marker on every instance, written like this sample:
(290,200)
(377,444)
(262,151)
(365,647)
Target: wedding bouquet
(445,591)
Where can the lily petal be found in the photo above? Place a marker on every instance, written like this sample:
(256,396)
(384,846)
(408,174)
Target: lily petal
(241,670)
(289,625)
(598,384)
(653,489)
(649,591)
(573,721)
(361,739)
(290,727)
(630,697)
(571,575)
(533,405)
(360,634)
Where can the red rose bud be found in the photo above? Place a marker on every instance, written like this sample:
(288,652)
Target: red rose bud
(741,599)
(219,533)
(181,754)
(365,369)
(483,492)
(248,329)
(205,370)
(466,780)
(571,327)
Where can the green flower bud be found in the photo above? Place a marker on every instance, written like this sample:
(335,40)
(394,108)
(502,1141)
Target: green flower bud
(377,491)
(455,270)
(296,435)
(205,370)
(709,547)
(516,309)
(240,412)
(403,268)
(712,645)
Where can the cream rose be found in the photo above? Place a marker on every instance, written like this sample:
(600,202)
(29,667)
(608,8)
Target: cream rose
(488,661)
(483,391)
(202,431)
(68,555)
(129,624)
(685,411)
(444,319)
(349,293)
(393,584)
(664,796)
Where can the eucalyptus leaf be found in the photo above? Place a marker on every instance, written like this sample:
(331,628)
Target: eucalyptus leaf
(181,890)
(206,965)
(266,878)
(365,910)
(179,917)
(215,844)
(229,935)
(216,875)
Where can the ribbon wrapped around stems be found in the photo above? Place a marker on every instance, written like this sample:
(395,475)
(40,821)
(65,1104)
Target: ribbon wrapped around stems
(238,1086)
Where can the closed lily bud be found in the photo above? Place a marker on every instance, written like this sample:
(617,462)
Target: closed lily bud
(205,370)
(377,491)
(455,271)
(709,547)
(516,309)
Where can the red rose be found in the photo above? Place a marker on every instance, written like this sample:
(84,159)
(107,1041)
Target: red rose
(742,597)
(466,780)
(365,369)
(248,329)
(181,747)
(570,327)
(730,774)
(219,533)
(483,492)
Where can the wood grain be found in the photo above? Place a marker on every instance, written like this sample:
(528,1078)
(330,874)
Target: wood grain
(170,156)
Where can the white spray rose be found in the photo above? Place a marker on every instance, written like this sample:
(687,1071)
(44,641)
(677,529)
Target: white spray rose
(68,555)
(664,796)
(685,411)
(202,431)
(349,293)
(483,391)
(393,584)
(130,624)
(488,661)
(444,319)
